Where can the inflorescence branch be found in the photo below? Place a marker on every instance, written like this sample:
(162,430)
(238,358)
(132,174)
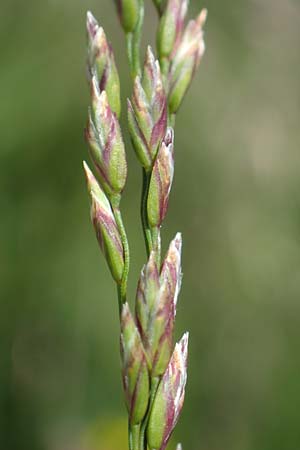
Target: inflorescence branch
(154,371)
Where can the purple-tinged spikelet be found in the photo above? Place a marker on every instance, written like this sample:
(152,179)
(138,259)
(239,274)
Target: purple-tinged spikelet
(147,112)
(171,26)
(169,398)
(134,368)
(170,282)
(152,316)
(106,229)
(171,269)
(161,181)
(104,137)
(101,63)
(146,301)
(186,57)
(156,306)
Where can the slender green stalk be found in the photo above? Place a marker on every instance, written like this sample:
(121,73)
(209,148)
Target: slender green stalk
(122,291)
(120,301)
(134,436)
(133,43)
(129,39)
(136,42)
(171,120)
(154,385)
(155,233)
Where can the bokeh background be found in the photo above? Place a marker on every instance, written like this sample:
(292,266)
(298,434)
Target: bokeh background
(236,199)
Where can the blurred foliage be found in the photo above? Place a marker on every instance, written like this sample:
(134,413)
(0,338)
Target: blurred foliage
(236,199)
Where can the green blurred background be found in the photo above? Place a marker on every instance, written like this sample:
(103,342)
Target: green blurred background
(236,199)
